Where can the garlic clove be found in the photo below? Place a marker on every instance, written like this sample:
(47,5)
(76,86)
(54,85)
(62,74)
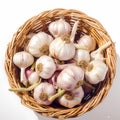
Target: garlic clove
(96,71)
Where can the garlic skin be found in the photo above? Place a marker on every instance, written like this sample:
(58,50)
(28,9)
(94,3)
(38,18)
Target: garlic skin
(73,99)
(96,71)
(23,60)
(82,55)
(87,42)
(33,78)
(53,79)
(59,28)
(39,44)
(61,49)
(42,92)
(45,66)
(69,77)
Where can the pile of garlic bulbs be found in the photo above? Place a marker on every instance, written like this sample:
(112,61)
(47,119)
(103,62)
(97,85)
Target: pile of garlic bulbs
(55,66)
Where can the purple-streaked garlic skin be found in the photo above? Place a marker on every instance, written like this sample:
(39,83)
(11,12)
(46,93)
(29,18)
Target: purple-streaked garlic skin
(97,73)
(46,88)
(69,77)
(53,79)
(78,95)
(28,73)
(48,66)
(38,42)
(87,42)
(59,27)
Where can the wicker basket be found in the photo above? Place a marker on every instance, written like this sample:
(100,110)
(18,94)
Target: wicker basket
(40,22)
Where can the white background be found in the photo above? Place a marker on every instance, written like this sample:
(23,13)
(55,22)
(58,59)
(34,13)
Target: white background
(13,13)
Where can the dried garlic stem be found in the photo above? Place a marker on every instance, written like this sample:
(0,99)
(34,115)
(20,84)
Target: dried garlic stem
(25,89)
(23,78)
(103,47)
(79,47)
(88,84)
(74,29)
(84,83)
(33,66)
(60,93)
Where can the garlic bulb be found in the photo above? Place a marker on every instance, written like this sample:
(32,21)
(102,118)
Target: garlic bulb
(82,57)
(96,71)
(33,78)
(61,48)
(42,93)
(45,66)
(87,42)
(72,98)
(39,44)
(69,77)
(23,60)
(59,28)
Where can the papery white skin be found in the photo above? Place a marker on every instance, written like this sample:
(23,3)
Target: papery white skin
(98,72)
(23,60)
(78,94)
(44,88)
(59,27)
(69,77)
(48,66)
(33,78)
(82,55)
(62,50)
(87,42)
(37,42)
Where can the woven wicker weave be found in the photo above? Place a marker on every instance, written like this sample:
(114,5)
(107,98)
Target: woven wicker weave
(40,23)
